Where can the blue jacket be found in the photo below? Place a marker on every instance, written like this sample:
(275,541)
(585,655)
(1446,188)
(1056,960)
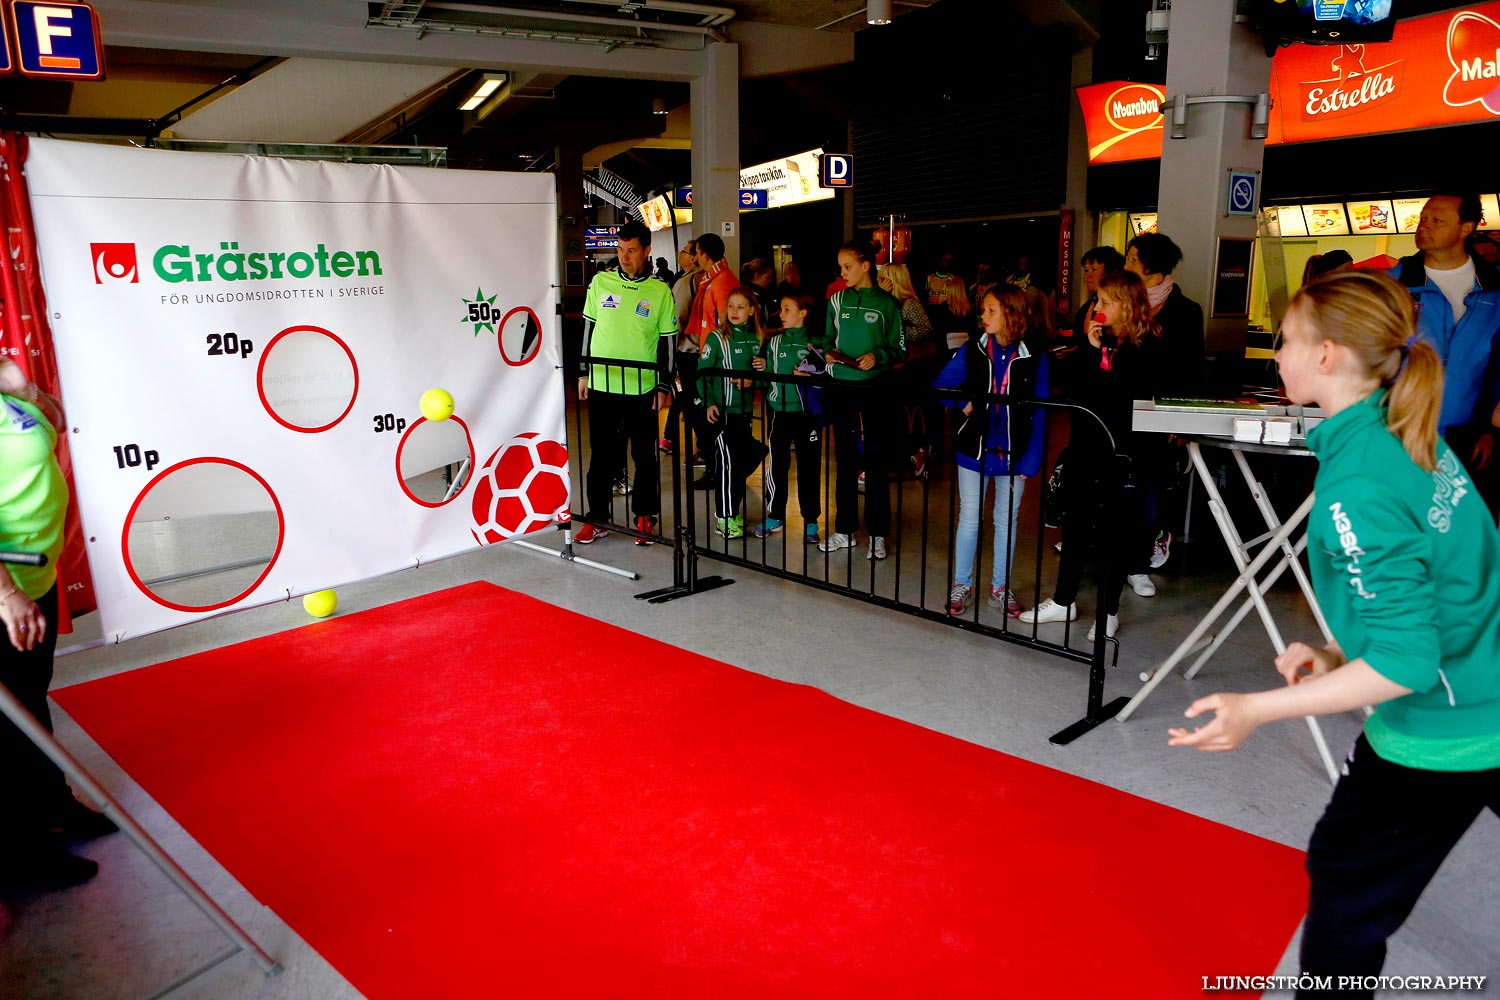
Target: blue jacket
(983,439)
(1465,348)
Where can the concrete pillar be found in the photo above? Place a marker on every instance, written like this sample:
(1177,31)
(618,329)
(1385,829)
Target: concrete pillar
(715,96)
(1208,54)
(571,221)
(1076,197)
(572,218)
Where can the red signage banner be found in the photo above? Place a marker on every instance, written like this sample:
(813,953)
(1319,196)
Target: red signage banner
(26,337)
(1123,121)
(1442,69)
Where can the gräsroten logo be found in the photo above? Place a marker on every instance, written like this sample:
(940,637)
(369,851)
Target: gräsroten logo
(177,262)
(114,262)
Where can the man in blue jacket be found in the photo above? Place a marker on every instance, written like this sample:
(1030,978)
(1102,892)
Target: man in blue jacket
(1458,311)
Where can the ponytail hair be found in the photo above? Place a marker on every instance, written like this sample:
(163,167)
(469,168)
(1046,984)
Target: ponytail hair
(1416,396)
(1372,315)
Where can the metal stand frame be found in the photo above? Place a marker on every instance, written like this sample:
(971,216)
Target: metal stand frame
(568,554)
(23,720)
(1097,712)
(685,579)
(1277,539)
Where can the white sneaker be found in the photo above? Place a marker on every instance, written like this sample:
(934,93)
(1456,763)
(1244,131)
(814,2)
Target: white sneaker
(877,547)
(838,540)
(1111,626)
(1141,584)
(1049,611)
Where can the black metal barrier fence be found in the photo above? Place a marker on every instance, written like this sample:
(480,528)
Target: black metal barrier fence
(684,471)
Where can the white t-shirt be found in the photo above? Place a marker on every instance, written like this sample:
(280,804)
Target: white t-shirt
(1455,284)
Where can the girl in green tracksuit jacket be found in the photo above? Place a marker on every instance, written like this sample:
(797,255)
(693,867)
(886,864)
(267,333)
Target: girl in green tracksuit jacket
(862,340)
(728,405)
(1404,562)
(790,422)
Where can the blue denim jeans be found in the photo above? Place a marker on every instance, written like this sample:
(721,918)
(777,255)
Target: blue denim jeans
(971,486)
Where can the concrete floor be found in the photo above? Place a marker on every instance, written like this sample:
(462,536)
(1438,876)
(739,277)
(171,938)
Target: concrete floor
(129,933)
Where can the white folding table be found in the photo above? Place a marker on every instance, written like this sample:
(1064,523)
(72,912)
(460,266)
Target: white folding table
(1206,428)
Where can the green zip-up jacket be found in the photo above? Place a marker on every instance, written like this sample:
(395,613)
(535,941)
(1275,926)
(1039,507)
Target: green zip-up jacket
(864,321)
(728,349)
(1404,563)
(783,353)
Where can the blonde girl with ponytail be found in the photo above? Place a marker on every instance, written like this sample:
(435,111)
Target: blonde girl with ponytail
(1403,557)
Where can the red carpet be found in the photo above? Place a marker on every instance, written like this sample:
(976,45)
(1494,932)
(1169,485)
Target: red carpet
(476,794)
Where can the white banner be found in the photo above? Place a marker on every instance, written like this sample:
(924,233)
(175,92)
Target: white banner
(243,344)
(791,180)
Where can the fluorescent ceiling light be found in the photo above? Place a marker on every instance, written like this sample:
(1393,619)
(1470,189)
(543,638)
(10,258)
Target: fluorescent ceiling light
(487,86)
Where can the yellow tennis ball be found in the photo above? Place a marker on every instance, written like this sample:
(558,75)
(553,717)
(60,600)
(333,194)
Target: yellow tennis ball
(320,604)
(437,404)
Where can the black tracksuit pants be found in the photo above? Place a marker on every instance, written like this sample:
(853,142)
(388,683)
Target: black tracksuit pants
(616,421)
(1381,839)
(802,431)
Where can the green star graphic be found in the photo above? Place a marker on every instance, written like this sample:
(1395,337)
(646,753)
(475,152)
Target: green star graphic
(481,312)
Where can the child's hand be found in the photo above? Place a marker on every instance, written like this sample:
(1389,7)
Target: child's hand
(968,408)
(712,414)
(759,364)
(1301,661)
(865,362)
(1234,720)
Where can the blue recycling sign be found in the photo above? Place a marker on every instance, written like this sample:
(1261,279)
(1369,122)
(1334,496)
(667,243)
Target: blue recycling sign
(57,40)
(1240,195)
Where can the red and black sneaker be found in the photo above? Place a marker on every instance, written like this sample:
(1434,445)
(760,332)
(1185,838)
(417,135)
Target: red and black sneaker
(646,525)
(589,533)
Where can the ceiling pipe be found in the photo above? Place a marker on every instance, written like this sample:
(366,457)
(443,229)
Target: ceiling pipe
(548,15)
(608,42)
(712,15)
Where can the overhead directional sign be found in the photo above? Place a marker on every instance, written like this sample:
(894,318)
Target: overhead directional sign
(601,237)
(836,170)
(57,40)
(754,198)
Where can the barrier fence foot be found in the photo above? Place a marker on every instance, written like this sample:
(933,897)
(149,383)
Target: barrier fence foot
(1085,725)
(662,596)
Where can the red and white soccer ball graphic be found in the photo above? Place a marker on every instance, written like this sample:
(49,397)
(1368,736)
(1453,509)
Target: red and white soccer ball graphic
(521,488)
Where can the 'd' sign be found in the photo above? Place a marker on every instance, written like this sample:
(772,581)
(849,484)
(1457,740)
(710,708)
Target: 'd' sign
(836,170)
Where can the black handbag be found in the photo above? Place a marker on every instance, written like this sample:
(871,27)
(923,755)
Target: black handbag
(1055,498)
